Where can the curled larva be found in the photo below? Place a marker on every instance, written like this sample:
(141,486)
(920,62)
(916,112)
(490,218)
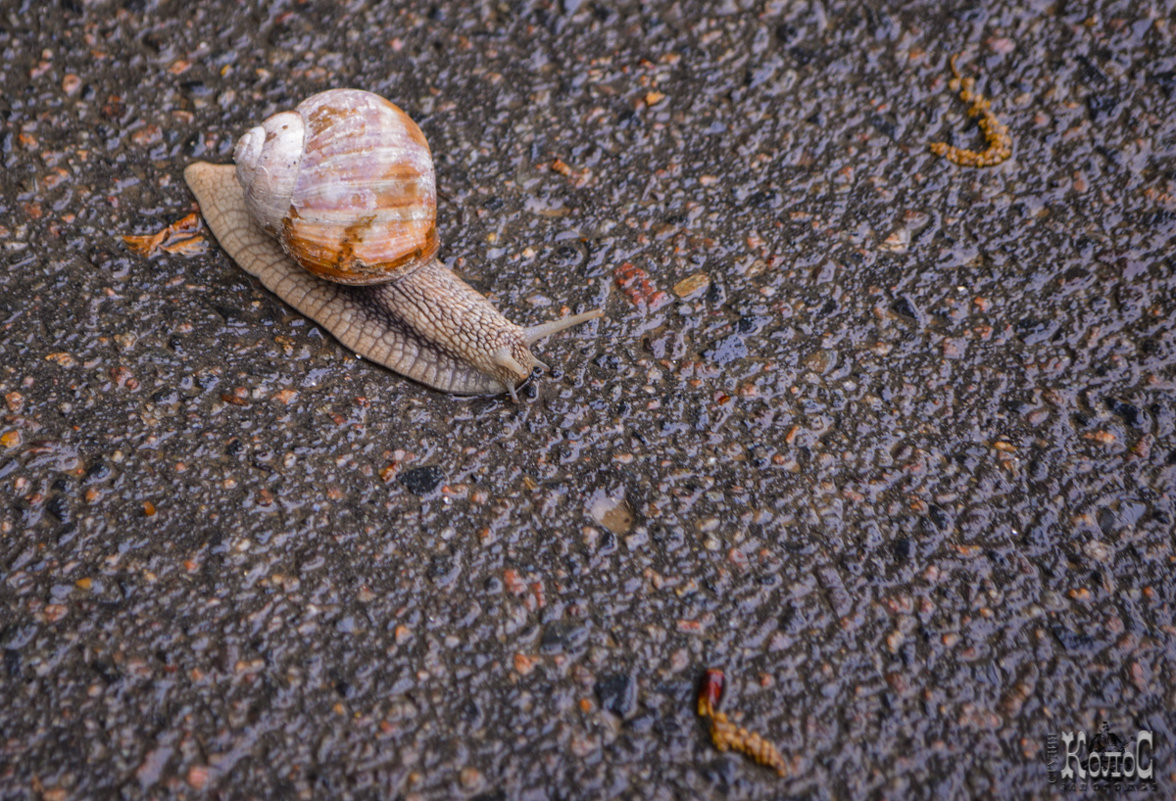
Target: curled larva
(998,143)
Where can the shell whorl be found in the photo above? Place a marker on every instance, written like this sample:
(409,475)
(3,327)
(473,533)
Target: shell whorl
(268,158)
(345,182)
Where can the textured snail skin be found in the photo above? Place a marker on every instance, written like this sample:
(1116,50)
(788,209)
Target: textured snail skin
(429,325)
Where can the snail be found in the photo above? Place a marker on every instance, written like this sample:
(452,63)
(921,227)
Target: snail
(332,206)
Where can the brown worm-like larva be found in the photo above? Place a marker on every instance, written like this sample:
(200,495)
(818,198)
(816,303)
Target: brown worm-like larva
(726,735)
(998,143)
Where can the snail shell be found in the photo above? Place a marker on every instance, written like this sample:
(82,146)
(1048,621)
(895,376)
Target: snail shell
(345,183)
(342,189)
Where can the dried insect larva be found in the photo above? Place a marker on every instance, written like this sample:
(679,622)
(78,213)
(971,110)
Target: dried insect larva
(998,143)
(726,735)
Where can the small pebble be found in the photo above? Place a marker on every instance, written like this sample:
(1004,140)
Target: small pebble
(692,285)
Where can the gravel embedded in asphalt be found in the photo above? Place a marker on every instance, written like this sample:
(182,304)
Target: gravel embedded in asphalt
(888,439)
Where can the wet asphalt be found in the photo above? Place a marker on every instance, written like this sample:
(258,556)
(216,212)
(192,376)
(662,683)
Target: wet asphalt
(889,440)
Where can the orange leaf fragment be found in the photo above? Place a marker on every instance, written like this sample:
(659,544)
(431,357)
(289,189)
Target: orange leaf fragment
(181,237)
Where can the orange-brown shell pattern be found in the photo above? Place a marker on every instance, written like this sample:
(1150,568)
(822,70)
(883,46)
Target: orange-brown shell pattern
(345,182)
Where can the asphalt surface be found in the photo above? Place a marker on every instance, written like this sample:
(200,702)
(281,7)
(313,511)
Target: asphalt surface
(898,456)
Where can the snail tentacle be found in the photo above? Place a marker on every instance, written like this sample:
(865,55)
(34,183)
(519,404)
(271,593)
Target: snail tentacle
(537,332)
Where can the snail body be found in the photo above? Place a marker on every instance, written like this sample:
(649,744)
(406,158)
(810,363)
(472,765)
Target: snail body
(333,207)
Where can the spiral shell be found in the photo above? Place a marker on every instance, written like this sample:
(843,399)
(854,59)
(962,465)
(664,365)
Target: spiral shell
(345,184)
